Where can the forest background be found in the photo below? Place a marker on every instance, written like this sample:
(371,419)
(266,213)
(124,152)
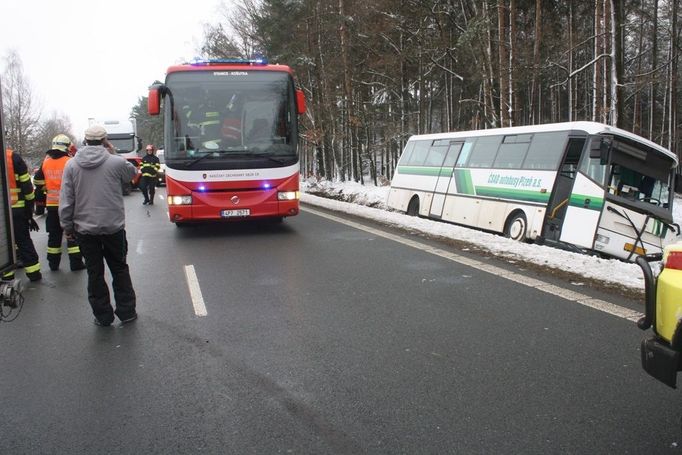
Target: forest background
(376,72)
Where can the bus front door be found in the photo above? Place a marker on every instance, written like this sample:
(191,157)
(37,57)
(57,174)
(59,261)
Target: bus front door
(444,179)
(561,217)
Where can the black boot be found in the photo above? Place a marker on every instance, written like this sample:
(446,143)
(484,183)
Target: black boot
(35,276)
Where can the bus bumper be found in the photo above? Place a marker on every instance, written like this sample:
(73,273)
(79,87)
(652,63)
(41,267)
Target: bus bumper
(218,207)
(660,361)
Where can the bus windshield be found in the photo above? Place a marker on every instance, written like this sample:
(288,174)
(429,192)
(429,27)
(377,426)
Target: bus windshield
(636,185)
(230,119)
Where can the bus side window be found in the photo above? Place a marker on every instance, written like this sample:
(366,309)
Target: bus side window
(405,158)
(466,151)
(437,153)
(512,151)
(484,151)
(545,151)
(418,156)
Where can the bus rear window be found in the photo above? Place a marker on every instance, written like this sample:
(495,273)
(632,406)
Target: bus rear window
(418,155)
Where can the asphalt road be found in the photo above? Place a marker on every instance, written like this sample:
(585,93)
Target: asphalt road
(322,338)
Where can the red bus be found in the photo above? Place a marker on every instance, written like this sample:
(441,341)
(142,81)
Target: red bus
(230,140)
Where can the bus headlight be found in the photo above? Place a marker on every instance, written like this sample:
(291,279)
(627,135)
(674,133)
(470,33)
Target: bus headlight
(288,195)
(179,200)
(602,239)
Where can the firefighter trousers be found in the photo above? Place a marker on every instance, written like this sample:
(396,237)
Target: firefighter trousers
(55,235)
(148,188)
(26,251)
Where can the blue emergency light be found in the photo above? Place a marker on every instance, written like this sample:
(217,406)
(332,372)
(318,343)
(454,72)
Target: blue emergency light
(255,60)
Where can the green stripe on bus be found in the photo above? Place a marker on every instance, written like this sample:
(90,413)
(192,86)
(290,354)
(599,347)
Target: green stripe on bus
(463,181)
(510,193)
(586,202)
(419,170)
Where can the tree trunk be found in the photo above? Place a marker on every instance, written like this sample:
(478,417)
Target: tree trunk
(503,63)
(617,62)
(514,110)
(654,65)
(534,104)
(674,52)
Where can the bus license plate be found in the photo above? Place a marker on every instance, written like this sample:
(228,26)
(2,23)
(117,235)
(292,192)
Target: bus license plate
(233,213)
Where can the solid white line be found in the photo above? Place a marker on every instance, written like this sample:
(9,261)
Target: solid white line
(195,291)
(573,296)
(138,249)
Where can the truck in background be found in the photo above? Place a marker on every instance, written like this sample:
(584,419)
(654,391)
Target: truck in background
(122,133)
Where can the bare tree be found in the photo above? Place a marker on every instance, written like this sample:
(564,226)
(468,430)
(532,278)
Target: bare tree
(617,18)
(217,44)
(503,52)
(20,112)
(56,123)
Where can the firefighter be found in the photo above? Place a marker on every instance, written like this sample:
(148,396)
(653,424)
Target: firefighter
(149,167)
(209,125)
(48,181)
(217,126)
(22,198)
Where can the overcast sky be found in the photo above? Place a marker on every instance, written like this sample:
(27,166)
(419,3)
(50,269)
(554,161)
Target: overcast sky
(87,58)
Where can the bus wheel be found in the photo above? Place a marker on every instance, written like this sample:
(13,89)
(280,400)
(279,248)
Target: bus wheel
(413,206)
(516,227)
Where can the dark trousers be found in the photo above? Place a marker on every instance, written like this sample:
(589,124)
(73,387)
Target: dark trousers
(26,251)
(54,242)
(148,187)
(113,249)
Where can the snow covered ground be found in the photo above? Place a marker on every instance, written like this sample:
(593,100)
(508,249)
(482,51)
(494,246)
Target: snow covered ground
(369,201)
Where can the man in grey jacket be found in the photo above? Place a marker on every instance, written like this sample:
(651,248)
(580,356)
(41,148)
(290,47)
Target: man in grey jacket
(91,210)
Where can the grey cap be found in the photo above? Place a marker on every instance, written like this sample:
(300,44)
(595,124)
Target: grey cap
(95,133)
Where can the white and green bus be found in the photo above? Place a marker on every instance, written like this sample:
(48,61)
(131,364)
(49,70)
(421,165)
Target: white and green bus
(578,185)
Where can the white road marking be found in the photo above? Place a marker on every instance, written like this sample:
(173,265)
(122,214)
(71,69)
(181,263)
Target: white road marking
(195,291)
(573,296)
(138,248)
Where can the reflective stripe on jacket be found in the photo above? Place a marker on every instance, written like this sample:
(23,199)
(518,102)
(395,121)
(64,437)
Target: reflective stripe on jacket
(150,165)
(20,186)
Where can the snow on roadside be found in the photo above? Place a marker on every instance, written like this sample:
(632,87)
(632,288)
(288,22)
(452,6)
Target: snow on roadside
(369,201)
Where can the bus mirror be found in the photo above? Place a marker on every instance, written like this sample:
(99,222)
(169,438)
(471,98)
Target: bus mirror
(300,102)
(154,100)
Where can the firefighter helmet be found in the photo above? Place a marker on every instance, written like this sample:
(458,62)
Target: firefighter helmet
(61,142)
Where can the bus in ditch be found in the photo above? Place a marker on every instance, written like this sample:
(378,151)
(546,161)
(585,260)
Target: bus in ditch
(230,140)
(582,186)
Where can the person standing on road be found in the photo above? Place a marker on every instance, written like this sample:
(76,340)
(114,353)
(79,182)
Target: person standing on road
(92,211)
(22,198)
(48,181)
(149,167)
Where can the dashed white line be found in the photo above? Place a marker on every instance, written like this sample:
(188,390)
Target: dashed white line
(577,297)
(195,291)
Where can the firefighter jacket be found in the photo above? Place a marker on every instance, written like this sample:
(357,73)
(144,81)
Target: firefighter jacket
(22,196)
(48,179)
(150,165)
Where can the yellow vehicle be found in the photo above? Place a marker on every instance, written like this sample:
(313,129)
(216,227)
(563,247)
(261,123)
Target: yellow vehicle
(661,353)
